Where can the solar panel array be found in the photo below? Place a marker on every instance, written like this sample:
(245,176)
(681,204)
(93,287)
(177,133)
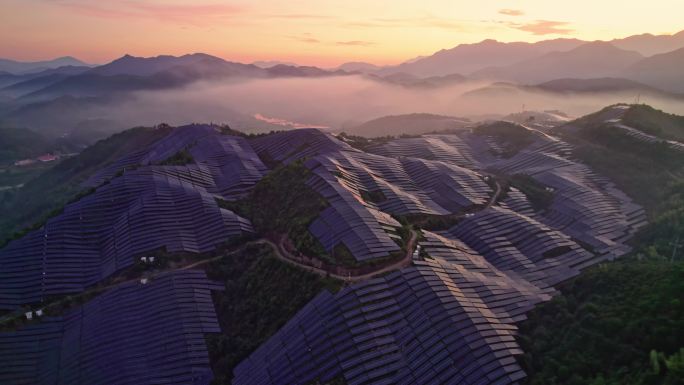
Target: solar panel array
(143,210)
(447,148)
(587,207)
(449,318)
(176,140)
(346,177)
(515,242)
(132,334)
(435,322)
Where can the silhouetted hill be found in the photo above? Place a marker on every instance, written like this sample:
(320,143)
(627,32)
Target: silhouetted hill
(649,45)
(19,68)
(467,58)
(7,79)
(21,143)
(147,66)
(591,60)
(410,124)
(25,84)
(359,67)
(271,63)
(130,73)
(664,71)
(595,85)
(408,80)
(282,70)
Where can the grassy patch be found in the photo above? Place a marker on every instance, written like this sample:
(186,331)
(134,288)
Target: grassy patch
(642,170)
(540,198)
(261,295)
(180,158)
(513,137)
(655,122)
(282,203)
(375,196)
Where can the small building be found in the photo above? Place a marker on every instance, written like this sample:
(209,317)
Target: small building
(48,158)
(24,162)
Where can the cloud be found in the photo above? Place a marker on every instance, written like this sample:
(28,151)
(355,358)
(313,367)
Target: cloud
(544,27)
(301,16)
(193,14)
(358,43)
(305,38)
(412,22)
(511,12)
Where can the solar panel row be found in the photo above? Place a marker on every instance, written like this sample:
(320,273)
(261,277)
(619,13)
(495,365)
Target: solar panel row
(435,322)
(143,210)
(451,317)
(132,334)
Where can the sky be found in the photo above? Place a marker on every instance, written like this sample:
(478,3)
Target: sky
(324,33)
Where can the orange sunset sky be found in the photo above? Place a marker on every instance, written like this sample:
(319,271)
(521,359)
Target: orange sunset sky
(312,32)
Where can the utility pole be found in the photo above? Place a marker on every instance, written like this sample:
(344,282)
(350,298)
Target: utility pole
(675,246)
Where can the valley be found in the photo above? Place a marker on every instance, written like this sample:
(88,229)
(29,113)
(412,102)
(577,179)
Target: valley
(513,212)
(341,193)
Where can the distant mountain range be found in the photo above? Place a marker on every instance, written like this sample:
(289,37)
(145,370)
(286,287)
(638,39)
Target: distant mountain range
(130,73)
(665,71)
(468,58)
(273,63)
(656,60)
(55,96)
(574,86)
(19,68)
(590,60)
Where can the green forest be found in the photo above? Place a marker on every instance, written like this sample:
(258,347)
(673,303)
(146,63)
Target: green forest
(621,322)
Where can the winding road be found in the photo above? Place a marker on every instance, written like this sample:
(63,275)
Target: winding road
(285,256)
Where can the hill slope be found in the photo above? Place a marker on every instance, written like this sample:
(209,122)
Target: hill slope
(410,124)
(49,191)
(663,71)
(20,143)
(621,322)
(17,67)
(591,60)
(467,58)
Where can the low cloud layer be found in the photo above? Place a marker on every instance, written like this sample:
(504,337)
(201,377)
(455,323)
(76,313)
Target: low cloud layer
(339,102)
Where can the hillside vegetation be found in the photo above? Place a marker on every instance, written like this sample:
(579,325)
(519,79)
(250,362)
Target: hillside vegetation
(655,122)
(282,203)
(620,323)
(261,294)
(41,197)
(643,170)
(21,143)
(513,137)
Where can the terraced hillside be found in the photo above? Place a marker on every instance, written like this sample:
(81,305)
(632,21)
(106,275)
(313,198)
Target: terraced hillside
(419,306)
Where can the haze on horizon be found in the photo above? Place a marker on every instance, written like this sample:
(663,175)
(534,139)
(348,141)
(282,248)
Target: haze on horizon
(309,32)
